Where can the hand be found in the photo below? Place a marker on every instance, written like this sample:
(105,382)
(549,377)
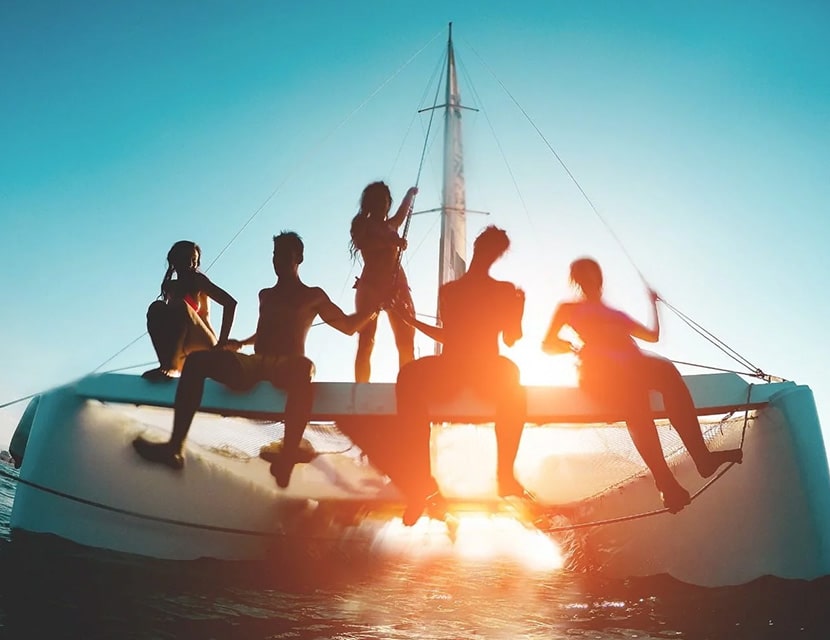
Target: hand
(653,295)
(229,345)
(413,191)
(402,244)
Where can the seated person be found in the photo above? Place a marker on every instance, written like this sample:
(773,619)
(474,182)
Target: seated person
(475,310)
(613,366)
(286,312)
(179,323)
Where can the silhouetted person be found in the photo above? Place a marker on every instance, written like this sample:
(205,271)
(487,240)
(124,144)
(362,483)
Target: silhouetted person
(475,310)
(375,237)
(286,312)
(613,366)
(179,323)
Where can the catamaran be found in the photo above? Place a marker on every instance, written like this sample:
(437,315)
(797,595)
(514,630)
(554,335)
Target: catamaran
(80,479)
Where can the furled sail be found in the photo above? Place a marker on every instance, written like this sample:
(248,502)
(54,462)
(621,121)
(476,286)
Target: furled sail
(452,262)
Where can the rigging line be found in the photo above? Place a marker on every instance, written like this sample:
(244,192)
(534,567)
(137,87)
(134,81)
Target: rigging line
(564,166)
(290,174)
(435,72)
(637,516)
(599,216)
(132,366)
(515,182)
(119,352)
(144,516)
(313,150)
(11,402)
(715,340)
(742,373)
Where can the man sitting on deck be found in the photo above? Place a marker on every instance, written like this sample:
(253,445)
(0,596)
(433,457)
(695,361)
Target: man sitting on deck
(286,312)
(475,309)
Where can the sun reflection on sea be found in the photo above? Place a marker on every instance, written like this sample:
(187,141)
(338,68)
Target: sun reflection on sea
(473,537)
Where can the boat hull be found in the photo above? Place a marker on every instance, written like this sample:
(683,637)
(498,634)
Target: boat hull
(81,480)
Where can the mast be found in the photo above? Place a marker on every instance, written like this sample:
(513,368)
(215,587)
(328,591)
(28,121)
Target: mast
(452,259)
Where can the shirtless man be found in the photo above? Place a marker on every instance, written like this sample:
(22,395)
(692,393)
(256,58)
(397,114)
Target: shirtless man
(286,312)
(475,310)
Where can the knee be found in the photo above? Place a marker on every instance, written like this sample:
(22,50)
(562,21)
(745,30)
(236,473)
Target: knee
(156,310)
(199,363)
(303,370)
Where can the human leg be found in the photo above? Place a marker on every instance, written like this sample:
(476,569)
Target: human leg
(664,377)
(197,335)
(294,376)
(162,335)
(625,384)
(418,382)
(404,333)
(364,299)
(501,381)
(223,366)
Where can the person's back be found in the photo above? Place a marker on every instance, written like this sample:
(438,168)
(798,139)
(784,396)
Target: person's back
(475,311)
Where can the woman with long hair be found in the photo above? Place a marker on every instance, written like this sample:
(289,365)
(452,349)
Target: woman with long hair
(179,321)
(612,367)
(375,237)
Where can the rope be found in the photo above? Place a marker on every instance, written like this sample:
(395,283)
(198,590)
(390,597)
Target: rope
(151,518)
(720,344)
(309,154)
(648,514)
(271,534)
(756,371)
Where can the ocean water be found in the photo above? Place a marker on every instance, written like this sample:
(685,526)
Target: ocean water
(55,589)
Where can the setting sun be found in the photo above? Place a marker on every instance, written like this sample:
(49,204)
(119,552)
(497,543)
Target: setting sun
(537,368)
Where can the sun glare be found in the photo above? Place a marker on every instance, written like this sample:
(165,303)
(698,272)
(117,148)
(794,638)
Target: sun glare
(473,537)
(538,368)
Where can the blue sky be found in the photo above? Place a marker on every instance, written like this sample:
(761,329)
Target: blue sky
(700,131)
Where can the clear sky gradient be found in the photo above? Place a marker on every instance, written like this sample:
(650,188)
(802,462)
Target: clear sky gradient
(699,130)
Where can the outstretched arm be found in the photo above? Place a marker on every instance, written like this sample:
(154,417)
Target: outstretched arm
(649,334)
(335,317)
(404,209)
(553,344)
(406,314)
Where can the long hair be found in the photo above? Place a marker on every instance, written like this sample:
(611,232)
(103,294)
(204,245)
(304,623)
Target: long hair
(374,206)
(183,256)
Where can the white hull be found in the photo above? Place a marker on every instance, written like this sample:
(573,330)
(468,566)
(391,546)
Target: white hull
(769,515)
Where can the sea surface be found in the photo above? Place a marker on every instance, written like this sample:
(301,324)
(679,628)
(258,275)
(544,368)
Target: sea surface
(55,589)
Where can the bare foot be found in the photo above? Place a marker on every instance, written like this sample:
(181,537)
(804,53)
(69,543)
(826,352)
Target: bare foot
(675,499)
(715,459)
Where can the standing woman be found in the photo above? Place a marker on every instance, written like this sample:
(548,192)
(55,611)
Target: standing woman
(179,322)
(375,237)
(613,366)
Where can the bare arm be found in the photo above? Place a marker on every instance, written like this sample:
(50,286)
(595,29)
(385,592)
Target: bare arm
(404,209)
(227,301)
(643,332)
(406,314)
(513,332)
(335,317)
(553,344)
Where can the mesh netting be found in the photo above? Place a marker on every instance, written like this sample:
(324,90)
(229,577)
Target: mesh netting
(561,463)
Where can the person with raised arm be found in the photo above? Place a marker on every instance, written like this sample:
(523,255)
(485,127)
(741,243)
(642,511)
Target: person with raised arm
(179,322)
(612,367)
(375,237)
(286,313)
(476,311)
